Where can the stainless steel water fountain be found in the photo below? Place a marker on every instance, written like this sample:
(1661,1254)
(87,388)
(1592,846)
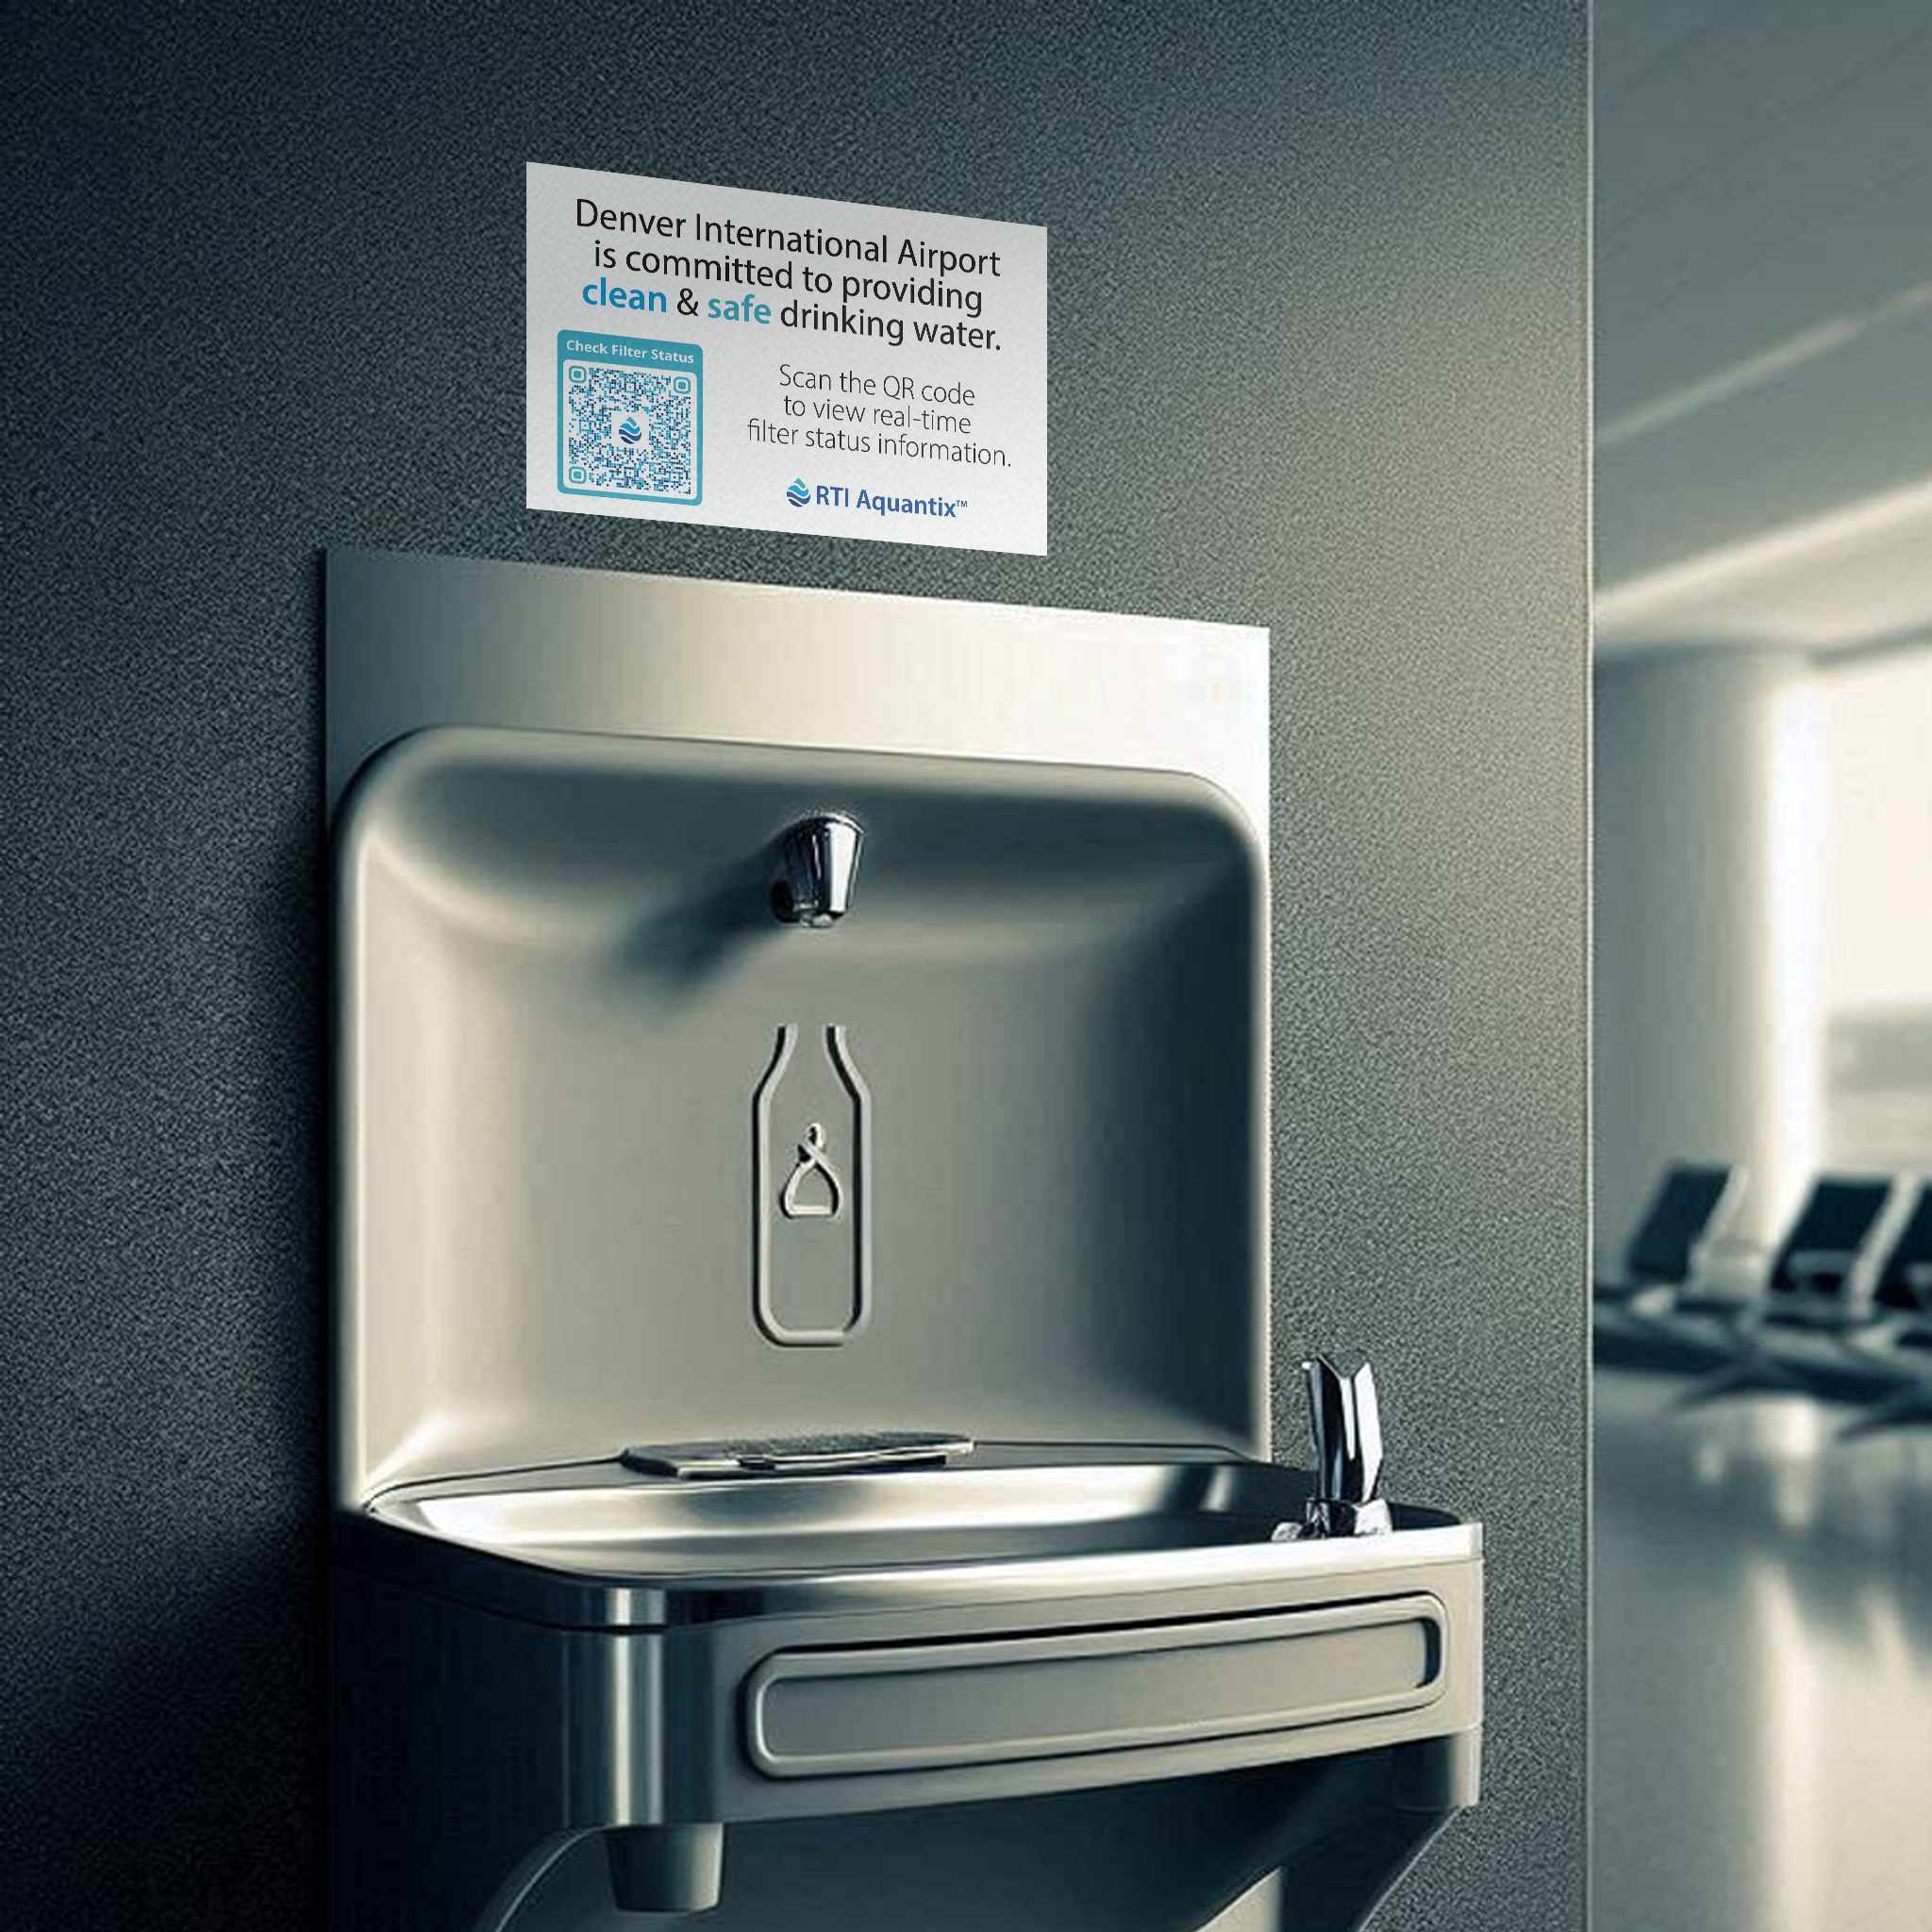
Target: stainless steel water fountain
(801,1434)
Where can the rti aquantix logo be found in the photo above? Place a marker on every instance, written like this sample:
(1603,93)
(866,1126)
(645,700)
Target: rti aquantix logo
(835,497)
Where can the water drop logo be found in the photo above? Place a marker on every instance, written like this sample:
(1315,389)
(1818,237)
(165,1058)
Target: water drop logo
(631,429)
(798,496)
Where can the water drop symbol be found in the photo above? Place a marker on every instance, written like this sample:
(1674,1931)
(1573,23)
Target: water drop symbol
(812,1157)
(631,429)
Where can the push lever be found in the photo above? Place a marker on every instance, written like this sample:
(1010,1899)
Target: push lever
(1346,1424)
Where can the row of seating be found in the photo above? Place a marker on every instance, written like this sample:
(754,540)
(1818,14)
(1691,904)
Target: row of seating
(1841,1305)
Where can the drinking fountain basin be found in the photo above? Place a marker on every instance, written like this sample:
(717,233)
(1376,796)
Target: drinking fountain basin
(599,1543)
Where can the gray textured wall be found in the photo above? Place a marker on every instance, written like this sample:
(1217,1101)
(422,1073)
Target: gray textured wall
(1318,319)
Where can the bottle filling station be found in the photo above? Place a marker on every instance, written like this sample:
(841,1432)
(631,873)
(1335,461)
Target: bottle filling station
(802,1453)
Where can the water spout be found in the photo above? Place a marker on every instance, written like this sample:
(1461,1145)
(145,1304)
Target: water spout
(818,861)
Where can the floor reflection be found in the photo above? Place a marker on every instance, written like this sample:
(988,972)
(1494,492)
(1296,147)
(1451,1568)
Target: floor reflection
(1762,1667)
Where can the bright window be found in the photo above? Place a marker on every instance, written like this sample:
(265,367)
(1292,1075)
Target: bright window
(1878,952)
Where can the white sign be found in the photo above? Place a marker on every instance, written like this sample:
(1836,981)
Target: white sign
(774,362)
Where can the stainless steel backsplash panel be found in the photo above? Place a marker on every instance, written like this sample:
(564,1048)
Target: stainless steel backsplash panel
(1033,1056)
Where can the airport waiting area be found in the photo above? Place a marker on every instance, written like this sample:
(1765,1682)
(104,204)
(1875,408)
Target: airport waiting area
(1762,1587)
(1763,1559)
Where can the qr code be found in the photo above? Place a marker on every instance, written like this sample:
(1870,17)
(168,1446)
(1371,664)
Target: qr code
(632,432)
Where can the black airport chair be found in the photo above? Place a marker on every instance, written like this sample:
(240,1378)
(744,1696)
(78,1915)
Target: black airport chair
(1692,1203)
(1812,1284)
(1688,1209)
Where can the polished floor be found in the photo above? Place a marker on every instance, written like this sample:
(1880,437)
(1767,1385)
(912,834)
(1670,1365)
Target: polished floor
(1761,1748)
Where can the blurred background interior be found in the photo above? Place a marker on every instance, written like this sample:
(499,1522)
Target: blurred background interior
(1762,1674)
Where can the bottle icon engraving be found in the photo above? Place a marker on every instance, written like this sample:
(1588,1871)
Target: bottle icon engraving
(811,1250)
(798,1202)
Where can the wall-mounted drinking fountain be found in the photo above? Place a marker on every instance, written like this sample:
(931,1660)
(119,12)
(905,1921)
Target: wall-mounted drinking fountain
(802,1402)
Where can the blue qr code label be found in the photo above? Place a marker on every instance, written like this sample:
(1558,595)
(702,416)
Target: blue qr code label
(629,431)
